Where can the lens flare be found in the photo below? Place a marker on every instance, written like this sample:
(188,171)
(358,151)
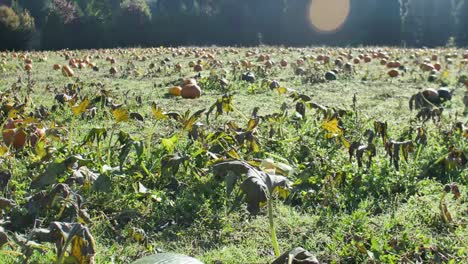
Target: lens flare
(328,15)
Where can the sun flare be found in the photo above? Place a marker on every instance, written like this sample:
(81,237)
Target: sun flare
(328,15)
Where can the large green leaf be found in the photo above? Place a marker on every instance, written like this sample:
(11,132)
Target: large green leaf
(167,258)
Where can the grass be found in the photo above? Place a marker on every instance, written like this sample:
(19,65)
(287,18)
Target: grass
(338,211)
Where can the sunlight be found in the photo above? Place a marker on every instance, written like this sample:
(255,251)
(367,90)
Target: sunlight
(328,15)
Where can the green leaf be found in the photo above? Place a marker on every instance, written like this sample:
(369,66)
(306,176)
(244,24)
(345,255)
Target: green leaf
(167,258)
(169,143)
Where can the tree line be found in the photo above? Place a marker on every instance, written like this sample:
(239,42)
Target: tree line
(81,24)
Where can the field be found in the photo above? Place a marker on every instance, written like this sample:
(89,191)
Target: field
(105,154)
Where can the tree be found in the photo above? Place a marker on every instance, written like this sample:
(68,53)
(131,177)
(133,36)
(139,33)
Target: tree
(15,30)
(385,23)
(132,23)
(461,17)
(38,9)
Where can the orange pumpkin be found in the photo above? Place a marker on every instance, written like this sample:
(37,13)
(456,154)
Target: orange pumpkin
(427,67)
(393,73)
(67,71)
(198,68)
(28,67)
(57,67)
(175,91)
(393,64)
(191,91)
(15,133)
(437,66)
(189,81)
(284,63)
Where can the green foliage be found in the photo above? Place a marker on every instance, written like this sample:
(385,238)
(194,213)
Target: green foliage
(141,169)
(131,23)
(16,31)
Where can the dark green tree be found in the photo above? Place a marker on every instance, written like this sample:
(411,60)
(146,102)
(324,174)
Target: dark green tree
(132,23)
(461,18)
(16,31)
(385,23)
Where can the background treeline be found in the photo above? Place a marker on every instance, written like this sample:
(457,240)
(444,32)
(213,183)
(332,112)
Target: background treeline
(78,24)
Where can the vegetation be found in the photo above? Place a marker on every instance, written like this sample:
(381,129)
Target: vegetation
(83,24)
(16,29)
(355,154)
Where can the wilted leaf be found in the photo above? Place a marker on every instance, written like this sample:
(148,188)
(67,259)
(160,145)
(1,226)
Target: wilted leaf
(5,177)
(222,105)
(136,116)
(56,169)
(102,184)
(394,149)
(3,237)
(82,242)
(95,134)
(6,203)
(296,256)
(380,129)
(83,176)
(258,186)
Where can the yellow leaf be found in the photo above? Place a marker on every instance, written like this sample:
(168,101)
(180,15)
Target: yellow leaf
(3,151)
(332,127)
(40,150)
(30,120)
(81,108)
(445,74)
(121,115)
(157,112)
(78,244)
(282,192)
(233,154)
(282,90)
(12,113)
(345,142)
